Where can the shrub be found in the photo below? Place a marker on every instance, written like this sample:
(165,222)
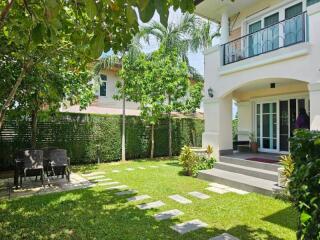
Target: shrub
(193,163)
(88,136)
(189,160)
(304,185)
(288,166)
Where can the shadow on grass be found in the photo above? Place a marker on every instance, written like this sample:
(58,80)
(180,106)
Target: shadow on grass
(281,218)
(84,168)
(93,214)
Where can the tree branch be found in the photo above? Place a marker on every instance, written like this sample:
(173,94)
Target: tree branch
(25,69)
(5,12)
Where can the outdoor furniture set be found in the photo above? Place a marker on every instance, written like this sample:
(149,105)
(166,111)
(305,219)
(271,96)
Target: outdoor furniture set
(34,163)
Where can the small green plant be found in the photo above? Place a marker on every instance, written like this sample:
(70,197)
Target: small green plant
(288,166)
(252,137)
(189,160)
(193,163)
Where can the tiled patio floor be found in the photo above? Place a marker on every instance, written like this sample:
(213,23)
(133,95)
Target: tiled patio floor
(32,187)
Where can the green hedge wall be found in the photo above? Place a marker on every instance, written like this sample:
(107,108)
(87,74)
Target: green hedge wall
(87,137)
(304,185)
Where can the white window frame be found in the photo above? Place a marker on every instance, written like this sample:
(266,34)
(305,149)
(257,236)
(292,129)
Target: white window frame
(103,81)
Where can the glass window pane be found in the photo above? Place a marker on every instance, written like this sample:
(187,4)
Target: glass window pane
(266,108)
(266,125)
(266,143)
(258,126)
(301,104)
(311,2)
(103,89)
(103,77)
(258,109)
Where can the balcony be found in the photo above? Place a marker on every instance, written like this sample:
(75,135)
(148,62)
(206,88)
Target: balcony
(280,35)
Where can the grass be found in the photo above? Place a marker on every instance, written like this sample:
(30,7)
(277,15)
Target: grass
(99,214)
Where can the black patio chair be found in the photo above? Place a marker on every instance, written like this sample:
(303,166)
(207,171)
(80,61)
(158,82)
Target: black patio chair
(59,163)
(33,165)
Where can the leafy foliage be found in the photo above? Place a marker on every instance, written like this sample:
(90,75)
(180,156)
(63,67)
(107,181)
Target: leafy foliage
(192,163)
(87,137)
(288,165)
(77,31)
(304,182)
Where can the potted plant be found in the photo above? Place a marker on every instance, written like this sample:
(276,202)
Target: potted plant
(253,142)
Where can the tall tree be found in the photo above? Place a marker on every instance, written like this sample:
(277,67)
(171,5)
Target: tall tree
(115,60)
(190,34)
(91,26)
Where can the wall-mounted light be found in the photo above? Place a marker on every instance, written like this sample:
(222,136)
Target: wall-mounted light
(210,92)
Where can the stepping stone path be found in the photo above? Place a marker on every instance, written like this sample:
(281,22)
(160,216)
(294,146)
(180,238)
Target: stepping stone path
(115,171)
(142,168)
(168,214)
(138,198)
(224,236)
(217,188)
(117,187)
(108,183)
(127,192)
(96,177)
(92,174)
(186,227)
(101,180)
(151,205)
(180,199)
(130,169)
(199,195)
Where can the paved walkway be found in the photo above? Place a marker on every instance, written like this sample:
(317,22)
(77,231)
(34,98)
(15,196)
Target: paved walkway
(181,228)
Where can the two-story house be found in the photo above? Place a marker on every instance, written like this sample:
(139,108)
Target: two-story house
(268,61)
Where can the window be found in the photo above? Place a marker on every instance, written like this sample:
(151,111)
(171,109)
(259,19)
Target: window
(311,2)
(103,85)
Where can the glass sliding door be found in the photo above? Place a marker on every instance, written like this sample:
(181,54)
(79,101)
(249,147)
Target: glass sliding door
(255,39)
(294,26)
(271,138)
(284,126)
(270,36)
(267,131)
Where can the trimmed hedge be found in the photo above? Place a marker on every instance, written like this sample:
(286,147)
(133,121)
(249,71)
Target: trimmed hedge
(87,137)
(304,185)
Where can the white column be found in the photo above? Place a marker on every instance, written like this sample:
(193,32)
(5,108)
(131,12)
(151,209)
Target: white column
(245,120)
(218,125)
(224,28)
(314,90)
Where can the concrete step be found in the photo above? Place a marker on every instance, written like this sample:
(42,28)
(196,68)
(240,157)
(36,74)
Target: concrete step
(239,181)
(248,163)
(244,148)
(249,171)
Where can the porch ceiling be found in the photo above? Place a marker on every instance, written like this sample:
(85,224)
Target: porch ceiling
(213,9)
(262,88)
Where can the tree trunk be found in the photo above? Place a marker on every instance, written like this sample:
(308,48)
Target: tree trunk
(34,127)
(13,91)
(170,129)
(152,141)
(123,139)
(5,12)
(170,134)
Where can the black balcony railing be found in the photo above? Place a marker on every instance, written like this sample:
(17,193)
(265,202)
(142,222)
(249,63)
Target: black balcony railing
(282,34)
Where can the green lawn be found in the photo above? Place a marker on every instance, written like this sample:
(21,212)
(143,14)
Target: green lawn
(99,214)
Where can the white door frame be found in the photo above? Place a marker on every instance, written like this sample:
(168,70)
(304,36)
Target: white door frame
(276,99)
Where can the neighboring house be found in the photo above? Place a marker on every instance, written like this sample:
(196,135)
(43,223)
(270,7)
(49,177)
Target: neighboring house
(268,61)
(105,102)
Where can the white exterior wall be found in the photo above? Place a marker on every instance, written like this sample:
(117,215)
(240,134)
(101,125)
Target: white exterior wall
(245,120)
(108,101)
(298,64)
